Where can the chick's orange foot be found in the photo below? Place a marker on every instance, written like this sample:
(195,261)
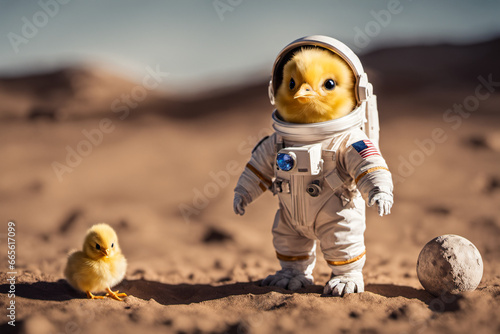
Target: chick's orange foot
(91,296)
(115,294)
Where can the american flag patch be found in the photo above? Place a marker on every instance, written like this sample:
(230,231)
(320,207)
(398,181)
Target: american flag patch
(365,148)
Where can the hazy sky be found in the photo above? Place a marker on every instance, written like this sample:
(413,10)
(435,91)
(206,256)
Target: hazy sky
(207,43)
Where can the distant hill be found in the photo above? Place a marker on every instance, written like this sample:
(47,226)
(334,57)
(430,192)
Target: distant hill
(75,93)
(406,69)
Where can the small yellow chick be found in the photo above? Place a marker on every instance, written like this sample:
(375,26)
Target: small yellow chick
(100,266)
(317,86)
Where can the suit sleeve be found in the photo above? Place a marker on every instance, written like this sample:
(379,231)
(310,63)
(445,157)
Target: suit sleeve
(258,174)
(363,162)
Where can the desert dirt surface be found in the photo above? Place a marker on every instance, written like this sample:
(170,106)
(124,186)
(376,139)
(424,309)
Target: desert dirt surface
(161,170)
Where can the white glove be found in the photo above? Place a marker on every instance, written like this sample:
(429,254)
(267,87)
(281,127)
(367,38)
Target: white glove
(289,278)
(384,202)
(239,204)
(343,284)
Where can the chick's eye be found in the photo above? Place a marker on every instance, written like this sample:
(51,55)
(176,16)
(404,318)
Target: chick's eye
(329,84)
(292,83)
(112,245)
(97,246)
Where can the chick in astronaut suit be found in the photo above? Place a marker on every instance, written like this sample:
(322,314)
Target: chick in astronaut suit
(322,161)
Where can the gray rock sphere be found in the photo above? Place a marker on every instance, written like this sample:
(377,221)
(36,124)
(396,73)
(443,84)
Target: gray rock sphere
(449,264)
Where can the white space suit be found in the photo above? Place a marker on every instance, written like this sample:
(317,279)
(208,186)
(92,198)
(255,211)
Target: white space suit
(322,174)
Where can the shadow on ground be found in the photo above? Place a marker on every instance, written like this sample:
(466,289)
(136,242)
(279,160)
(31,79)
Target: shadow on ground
(444,303)
(391,290)
(183,294)
(166,294)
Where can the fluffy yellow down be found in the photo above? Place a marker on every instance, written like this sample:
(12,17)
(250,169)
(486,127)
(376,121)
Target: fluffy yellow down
(309,101)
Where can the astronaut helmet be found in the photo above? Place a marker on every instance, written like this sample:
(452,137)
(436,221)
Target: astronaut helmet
(363,89)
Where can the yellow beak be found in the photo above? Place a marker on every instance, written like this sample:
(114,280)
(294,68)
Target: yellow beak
(305,93)
(105,252)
